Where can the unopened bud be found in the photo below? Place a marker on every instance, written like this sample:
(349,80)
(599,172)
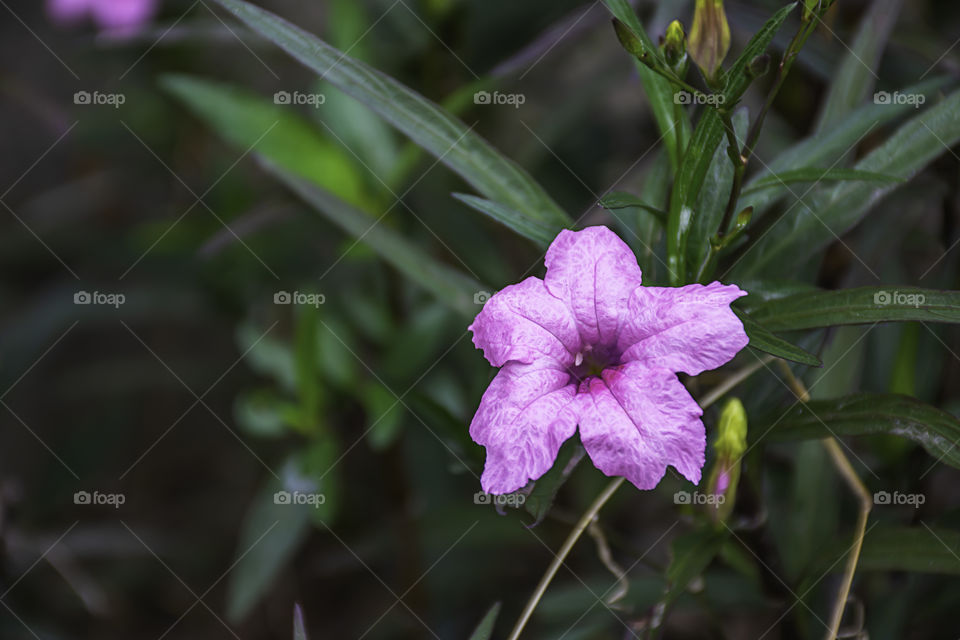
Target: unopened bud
(730,445)
(675,45)
(709,37)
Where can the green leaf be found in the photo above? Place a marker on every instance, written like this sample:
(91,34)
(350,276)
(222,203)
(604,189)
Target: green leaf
(545,489)
(484,630)
(447,138)
(448,285)
(714,194)
(700,150)
(541,233)
(854,79)
(829,146)
(299,629)
(831,211)
(250,122)
(763,340)
(862,305)
(384,415)
(873,413)
(658,89)
(738,77)
(269,536)
(308,378)
(887,547)
(691,553)
(623,200)
(816,174)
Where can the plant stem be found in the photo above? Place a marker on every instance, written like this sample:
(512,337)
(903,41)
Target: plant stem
(849,474)
(591,513)
(585,520)
(739,161)
(856,485)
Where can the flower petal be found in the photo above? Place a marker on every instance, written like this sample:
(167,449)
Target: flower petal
(526,413)
(594,272)
(689,329)
(635,421)
(524,322)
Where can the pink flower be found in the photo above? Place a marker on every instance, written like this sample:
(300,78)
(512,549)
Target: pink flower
(117,18)
(589,346)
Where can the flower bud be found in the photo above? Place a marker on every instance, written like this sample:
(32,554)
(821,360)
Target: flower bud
(730,445)
(675,46)
(709,37)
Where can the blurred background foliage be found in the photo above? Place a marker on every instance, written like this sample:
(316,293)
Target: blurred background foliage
(199,397)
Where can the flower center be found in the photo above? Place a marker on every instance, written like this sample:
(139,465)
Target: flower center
(591,362)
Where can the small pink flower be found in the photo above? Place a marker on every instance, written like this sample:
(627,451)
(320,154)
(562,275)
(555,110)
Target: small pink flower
(589,346)
(116,18)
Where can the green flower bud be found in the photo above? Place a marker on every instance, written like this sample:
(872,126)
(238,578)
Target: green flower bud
(730,445)
(675,45)
(709,37)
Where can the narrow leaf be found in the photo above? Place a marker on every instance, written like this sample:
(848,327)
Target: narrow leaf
(545,490)
(815,174)
(484,630)
(763,340)
(541,233)
(624,200)
(443,135)
(862,305)
(874,413)
(449,286)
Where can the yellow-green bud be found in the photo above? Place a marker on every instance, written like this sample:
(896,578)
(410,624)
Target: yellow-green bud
(675,44)
(709,37)
(730,445)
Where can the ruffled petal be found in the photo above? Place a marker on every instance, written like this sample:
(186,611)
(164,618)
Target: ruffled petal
(524,322)
(635,421)
(526,413)
(594,272)
(689,329)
